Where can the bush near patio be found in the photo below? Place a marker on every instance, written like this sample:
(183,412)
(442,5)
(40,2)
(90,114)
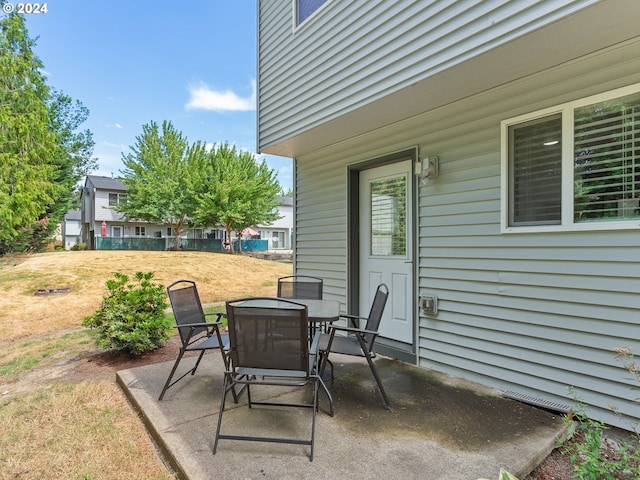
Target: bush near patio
(131,316)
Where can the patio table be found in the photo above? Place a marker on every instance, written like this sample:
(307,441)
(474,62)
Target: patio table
(320,312)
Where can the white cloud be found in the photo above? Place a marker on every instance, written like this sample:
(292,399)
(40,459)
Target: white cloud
(201,97)
(107,144)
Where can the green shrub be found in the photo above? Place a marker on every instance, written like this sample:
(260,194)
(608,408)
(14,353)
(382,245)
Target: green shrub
(131,316)
(588,457)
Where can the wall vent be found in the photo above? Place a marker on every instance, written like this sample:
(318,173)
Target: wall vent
(536,401)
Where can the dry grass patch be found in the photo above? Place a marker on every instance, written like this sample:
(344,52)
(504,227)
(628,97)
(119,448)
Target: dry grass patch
(21,356)
(87,430)
(84,431)
(218,276)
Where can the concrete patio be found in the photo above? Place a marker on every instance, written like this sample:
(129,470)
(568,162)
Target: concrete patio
(441,427)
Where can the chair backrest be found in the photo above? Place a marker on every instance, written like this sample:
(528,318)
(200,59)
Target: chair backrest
(266,332)
(300,286)
(375,315)
(186,306)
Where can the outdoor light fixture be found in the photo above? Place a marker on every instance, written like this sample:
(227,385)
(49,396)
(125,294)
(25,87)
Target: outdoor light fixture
(429,169)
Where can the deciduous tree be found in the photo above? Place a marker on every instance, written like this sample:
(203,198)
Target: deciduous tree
(157,176)
(237,190)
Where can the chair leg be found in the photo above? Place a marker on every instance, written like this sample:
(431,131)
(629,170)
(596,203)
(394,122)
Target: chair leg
(326,391)
(313,418)
(248,394)
(173,371)
(373,369)
(227,385)
(324,359)
(195,367)
(378,381)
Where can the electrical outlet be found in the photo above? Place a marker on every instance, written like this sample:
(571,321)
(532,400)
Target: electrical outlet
(429,304)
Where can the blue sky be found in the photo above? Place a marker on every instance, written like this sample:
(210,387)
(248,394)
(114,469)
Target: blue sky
(134,61)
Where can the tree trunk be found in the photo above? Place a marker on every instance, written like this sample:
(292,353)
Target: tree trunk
(228,228)
(177,231)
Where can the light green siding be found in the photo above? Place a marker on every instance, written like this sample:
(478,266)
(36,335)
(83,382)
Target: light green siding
(358,51)
(532,313)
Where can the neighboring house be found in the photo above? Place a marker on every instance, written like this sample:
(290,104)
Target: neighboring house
(71,229)
(99,219)
(280,233)
(481,158)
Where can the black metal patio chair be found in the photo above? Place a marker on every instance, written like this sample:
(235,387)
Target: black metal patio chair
(269,345)
(300,286)
(196,333)
(357,341)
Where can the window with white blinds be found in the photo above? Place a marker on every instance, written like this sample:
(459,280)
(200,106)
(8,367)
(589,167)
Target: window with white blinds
(388,207)
(574,166)
(607,160)
(536,165)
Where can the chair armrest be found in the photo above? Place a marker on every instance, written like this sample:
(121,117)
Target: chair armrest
(353,319)
(196,325)
(219,314)
(352,330)
(356,317)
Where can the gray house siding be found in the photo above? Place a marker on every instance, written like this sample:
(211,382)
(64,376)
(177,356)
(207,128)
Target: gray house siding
(320,223)
(533,313)
(376,48)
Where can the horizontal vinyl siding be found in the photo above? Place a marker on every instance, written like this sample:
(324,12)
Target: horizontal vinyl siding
(533,313)
(320,227)
(103,210)
(355,52)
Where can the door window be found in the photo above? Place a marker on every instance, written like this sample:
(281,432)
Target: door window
(388,202)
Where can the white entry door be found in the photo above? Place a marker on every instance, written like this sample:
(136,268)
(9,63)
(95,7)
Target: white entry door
(386,250)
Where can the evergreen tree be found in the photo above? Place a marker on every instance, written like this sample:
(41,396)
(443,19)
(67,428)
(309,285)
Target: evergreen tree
(27,145)
(42,156)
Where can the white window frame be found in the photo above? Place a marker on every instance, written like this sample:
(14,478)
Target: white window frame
(195,233)
(281,235)
(119,198)
(140,231)
(566,223)
(307,20)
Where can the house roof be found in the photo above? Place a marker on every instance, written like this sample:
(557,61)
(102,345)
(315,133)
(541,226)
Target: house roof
(109,183)
(286,200)
(73,215)
(105,183)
